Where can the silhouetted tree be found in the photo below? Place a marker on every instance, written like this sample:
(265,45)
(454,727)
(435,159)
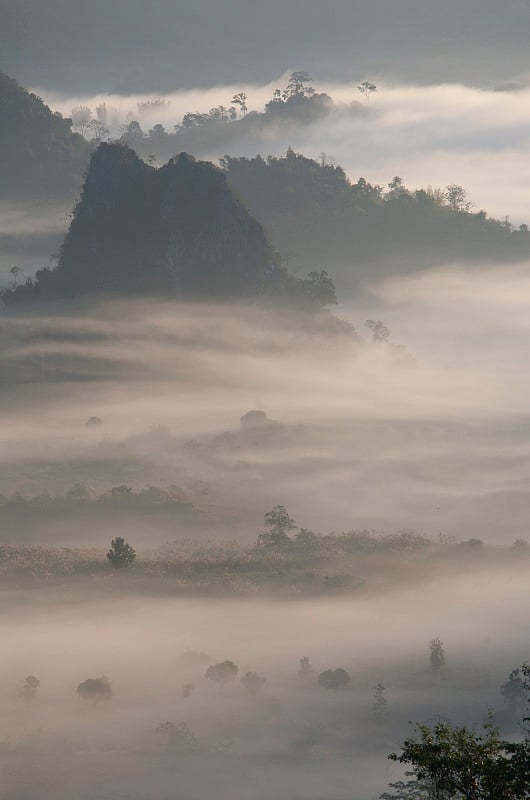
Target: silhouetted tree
(253,683)
(95,689)
(380,705)
(457,198)
(455,762)
(437,656)
(177,737)
(513,691)
(240,100)
(380,333)
(278,524)
(15,272)
(367,88)
(334,679)
(81,116)
(121,554)
(222,672)
(305,671)
(298,85)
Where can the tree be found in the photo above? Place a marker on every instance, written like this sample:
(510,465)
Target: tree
(29,690)
(397,188)
(366,89)
(95,689)
(278,524)
(222,672)
(380,705)
(240,100)
(121,554)
(133,134)
(296,85)
(437,656)
(380,333)
(305,671)
(334,679)
(15,272)
(321,289)
(98,130)
(514,690)
(121,491)
(450,761)
(457,198)
(179,737)
(81,116)
(253,682)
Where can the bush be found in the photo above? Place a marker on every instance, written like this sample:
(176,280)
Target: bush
(95,689)
(121,554)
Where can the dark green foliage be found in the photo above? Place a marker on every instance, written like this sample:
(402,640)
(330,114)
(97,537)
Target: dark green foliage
(39,154)
(95,689)
(121,554)
(334,679)
(451,761)
(222,672)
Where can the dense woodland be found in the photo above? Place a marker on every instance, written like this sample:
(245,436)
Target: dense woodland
(314,216)
(40,155)
(314,212)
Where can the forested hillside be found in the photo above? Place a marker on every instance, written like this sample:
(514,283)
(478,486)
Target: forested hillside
(315,215)
(39,153)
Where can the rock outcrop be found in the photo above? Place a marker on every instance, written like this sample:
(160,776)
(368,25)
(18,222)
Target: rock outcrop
(174,231)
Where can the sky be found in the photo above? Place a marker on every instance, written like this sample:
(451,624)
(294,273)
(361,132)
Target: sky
(130,45)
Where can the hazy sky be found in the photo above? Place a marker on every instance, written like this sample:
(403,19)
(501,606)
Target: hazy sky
(132,45)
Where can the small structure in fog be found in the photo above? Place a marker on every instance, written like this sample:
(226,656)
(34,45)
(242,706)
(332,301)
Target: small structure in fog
(93,422)
(95,689)
(257,420)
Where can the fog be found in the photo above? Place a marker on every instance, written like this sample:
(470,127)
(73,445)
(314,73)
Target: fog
(442,424)
(428,135)
(183,483)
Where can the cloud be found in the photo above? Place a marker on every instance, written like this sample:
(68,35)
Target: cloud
(429,135)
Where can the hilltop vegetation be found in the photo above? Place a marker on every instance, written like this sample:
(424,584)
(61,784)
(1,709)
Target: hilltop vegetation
(314,212)
(40,155)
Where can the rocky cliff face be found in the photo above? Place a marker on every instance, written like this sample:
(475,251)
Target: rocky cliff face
(177,230)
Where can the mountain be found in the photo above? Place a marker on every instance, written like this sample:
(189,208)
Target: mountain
(175,231)
(314,215)
(39,154)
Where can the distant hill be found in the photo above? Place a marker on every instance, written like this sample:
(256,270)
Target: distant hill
(175,231)
(39,154)
(315,216)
